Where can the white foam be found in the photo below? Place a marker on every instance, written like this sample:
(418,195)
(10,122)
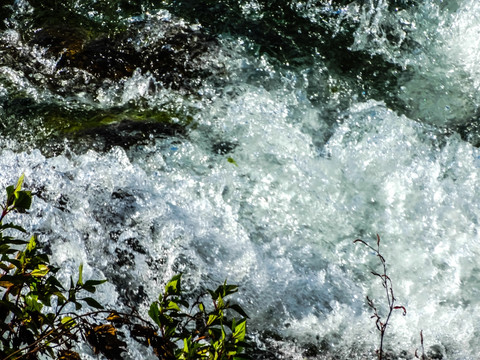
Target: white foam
(278,212)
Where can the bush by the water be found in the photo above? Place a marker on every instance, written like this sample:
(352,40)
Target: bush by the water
(39,316)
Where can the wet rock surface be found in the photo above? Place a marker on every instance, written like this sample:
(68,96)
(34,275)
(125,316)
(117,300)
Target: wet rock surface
(126,134)
(69,60)
(176,58)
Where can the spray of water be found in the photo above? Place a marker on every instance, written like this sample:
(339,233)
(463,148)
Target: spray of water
(278,171)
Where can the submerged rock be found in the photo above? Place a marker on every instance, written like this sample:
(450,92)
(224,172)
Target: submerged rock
(102,58)
(125,134)
(176,58)
(51,126)
(59,61)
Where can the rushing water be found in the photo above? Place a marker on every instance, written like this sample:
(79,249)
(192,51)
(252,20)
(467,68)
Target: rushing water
(273,135)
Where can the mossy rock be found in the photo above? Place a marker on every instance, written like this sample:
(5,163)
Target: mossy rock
(47,124)
(119,127)
(107,130)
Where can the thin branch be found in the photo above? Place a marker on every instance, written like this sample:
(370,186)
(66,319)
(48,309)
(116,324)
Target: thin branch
(390,297)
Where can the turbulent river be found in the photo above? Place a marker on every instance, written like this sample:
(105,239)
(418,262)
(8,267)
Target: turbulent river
(254,141)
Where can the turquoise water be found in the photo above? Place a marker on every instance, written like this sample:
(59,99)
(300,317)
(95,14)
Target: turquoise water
(343,120)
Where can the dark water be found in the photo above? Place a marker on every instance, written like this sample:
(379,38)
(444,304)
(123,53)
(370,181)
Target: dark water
(254,141)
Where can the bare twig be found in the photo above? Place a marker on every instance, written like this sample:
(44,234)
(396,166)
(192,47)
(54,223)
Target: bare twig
(390,298)
(422,356)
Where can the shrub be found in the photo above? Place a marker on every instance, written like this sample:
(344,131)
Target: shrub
(37,316)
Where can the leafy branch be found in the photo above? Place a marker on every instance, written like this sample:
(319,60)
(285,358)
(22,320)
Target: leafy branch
(206,332)
(34,321)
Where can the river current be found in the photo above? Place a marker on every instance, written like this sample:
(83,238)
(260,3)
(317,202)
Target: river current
(274,134)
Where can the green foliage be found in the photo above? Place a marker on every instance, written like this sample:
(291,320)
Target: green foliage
(33,316)
(37,317)
(203,332)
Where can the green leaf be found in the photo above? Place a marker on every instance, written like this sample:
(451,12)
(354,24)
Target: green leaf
(45,297)
(40,271)
(80,274)
(9,240)
(215,333)
(243,344)
(41,257)
(32,303)
(239,330)
(172,306)
(10,197)
(15,263)
(223,291)
(239,310)
(154,313)
(16,310)
(211,319)
(177,300)
(92,302)
(5,249)
(94,282)
(68,322)
(228,289)
(220,303)
(170,331)
(186,342)
(17,279)
(23,200)
(61,298)
(89,285)
(18,187)
(173,286)
(90,289)
(12,226)
(52,280)
(32,244)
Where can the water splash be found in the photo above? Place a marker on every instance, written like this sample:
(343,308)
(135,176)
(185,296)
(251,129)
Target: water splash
(281,170)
